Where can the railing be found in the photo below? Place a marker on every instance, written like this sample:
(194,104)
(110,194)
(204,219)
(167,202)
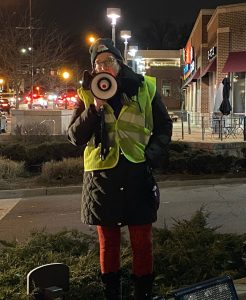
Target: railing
(37,129)
(50,121)
(211,127)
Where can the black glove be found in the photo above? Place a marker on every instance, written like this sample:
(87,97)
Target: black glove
(86,80)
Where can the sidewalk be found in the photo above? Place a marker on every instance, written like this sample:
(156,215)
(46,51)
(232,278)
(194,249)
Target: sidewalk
(196,135)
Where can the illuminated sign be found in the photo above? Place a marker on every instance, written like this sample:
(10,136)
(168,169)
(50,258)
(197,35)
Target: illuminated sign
(211,53)
(188,53)
(192,66)
(186,68)
(188,57)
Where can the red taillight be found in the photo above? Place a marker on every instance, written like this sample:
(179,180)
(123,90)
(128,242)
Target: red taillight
(5,104)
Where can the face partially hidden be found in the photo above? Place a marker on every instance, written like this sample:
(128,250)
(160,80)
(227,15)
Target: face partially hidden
(106,62)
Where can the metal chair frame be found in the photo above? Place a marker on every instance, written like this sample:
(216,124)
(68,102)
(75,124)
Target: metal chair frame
(219,288)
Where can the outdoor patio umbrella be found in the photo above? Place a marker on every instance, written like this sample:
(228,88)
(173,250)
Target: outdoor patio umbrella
(225,106)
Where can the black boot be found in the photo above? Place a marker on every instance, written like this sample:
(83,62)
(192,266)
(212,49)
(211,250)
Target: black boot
(112,285)
(143,286)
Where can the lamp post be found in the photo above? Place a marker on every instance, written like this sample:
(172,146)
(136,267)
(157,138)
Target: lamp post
(132,52)
(66,76)
(113,14)
(125,34)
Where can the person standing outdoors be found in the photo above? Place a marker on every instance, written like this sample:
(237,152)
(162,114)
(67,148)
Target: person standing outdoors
(118,188)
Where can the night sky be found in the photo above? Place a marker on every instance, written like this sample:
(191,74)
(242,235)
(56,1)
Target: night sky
(80,17)
(89,15)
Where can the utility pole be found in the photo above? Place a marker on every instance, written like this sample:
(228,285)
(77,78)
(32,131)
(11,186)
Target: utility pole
(31,48)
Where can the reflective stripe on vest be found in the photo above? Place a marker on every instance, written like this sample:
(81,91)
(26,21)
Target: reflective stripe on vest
(130,132)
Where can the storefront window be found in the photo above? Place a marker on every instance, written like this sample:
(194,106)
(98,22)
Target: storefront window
(166,90)
(239,92)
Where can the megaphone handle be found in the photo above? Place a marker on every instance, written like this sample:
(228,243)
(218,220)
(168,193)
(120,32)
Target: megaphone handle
(104,149)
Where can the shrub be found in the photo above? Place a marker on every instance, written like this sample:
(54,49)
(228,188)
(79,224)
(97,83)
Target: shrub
(67,168)
(193,252)
(38,154)
(178,147)
(14,151)
(244,152)
(178,162)
(10,169)
(187,253)
(75,249)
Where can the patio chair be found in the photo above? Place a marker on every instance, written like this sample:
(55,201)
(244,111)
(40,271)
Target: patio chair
(219,288)
(51,280)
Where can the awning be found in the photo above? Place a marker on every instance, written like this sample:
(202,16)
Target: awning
(211,67)
(193,77)
(236,62)
(196,75)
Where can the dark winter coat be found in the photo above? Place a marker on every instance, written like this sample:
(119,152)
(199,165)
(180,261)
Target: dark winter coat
(121,195)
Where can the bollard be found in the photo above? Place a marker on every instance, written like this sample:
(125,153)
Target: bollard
(189,129)
(203,128)
(244,128)
(182,124)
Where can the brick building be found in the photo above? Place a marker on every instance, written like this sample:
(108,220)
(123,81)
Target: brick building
(216,49)
(165,66)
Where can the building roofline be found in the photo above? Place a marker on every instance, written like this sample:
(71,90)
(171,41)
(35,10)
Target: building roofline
(226,9)
(159,54)
(203,12)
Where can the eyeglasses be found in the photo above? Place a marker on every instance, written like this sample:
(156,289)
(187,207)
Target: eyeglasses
(107,63)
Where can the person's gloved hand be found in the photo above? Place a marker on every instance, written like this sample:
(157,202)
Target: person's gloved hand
(86,80)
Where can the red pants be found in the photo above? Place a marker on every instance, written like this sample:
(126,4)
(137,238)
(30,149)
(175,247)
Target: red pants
(141,243)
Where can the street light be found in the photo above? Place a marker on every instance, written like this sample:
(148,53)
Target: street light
(66,76)
(92,39)
(113,14)
(1,84)
(132,52)
(125,34)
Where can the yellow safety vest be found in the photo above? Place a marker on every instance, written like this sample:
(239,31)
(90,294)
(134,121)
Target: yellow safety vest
(130,132)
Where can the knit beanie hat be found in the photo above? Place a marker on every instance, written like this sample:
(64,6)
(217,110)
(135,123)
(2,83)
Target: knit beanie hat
(104,45)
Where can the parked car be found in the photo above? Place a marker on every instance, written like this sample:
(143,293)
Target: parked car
(11,98)
(35,100)
(66,99)
(5,105)
(3,122)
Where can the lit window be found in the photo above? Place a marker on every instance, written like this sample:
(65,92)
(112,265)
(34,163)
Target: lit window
(166,90)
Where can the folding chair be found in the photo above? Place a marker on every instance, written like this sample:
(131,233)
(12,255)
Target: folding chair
(219,288)
(52,280)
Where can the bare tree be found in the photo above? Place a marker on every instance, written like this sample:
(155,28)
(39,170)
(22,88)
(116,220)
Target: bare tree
(30,58)
(159,34)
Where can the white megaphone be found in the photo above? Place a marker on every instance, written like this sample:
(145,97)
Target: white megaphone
(103,86)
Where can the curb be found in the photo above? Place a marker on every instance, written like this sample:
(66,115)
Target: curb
(198,182)
(43,191)
(47,191)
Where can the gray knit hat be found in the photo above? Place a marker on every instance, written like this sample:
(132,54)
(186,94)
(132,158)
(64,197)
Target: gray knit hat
(104,45)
